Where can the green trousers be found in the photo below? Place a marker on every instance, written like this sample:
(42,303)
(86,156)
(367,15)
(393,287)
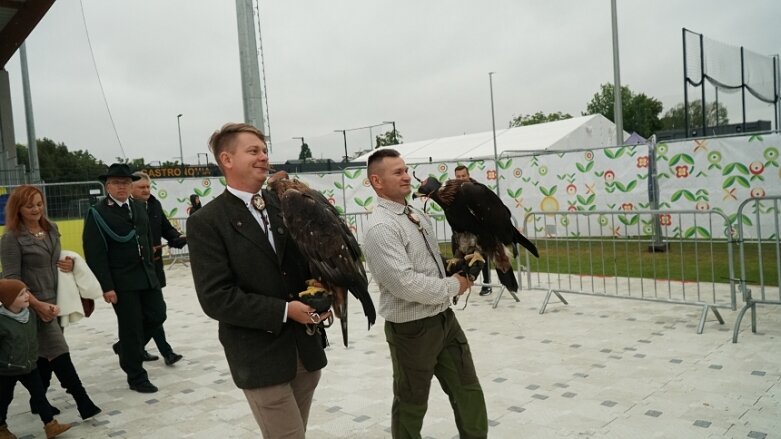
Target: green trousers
(420,350)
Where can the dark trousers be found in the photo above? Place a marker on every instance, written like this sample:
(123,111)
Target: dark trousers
(487,270)
(420,350)
(139,315)
(32,381)
(163,347)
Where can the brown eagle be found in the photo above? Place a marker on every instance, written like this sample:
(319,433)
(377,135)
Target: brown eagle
(329,246)
(481,223)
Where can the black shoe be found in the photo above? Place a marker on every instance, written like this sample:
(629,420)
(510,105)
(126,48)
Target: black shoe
(144,387)
(149,357)
(486,291)
(172,358)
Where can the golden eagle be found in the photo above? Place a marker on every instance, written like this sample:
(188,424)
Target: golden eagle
(330,248)
(481,224)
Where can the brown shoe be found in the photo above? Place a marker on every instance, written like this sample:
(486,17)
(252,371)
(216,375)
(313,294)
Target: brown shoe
(5,434)
(54,429)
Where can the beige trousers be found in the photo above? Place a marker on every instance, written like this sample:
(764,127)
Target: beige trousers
(282,410)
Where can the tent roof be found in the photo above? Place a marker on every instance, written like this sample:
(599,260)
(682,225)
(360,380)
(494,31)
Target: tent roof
(579,132)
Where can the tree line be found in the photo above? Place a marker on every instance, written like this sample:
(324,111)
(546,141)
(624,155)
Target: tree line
(640,115)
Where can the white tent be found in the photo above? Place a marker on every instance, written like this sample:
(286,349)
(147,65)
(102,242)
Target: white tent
(591,131)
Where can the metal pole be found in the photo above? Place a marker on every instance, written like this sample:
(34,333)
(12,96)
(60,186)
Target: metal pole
(618,114)
(743,87)
(493,127)
(685,88)
(32,144)
(393,122)
(344,133)
(251,91)
(179,128)
(702,84)
(775,88)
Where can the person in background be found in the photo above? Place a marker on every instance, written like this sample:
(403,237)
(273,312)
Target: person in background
(195,204)
(30,252)
(18,347)
(161,228)
(462,173)
(248,273)
(118,248)
(423,334)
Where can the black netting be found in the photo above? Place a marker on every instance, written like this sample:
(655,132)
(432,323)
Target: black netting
(720,65)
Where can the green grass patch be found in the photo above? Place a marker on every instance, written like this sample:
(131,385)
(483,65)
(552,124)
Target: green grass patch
(683,260)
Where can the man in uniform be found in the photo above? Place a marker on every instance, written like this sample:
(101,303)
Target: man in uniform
(118,248)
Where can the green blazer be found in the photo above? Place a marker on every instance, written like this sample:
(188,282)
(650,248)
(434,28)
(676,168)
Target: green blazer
(244,284)
(120,266)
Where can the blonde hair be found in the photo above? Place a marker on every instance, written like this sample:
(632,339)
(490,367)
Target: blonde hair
(222,139)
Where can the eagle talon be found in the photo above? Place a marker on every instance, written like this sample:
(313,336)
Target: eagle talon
(474,258)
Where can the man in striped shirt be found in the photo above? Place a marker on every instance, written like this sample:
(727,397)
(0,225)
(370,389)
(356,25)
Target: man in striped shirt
(423,335)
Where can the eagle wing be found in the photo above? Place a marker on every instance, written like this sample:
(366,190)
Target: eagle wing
(330,248)
(492,215)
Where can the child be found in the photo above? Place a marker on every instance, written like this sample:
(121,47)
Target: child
(18,355)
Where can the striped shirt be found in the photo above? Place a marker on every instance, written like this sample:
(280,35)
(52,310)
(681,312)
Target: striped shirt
(406,264)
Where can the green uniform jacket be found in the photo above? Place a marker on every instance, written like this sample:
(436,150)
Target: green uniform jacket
(18,345)
(120,266)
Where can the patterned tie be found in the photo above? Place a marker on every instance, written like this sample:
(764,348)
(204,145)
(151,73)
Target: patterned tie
(416,220)
(260,205)
(412,217)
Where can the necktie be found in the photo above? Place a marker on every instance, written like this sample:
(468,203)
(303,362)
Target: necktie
(260,205)
(416,220)
(126,208)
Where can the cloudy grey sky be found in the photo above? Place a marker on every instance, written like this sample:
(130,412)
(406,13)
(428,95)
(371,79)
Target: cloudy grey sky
(344,64)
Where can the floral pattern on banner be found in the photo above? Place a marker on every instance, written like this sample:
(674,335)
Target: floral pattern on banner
(699,174)
(720,174)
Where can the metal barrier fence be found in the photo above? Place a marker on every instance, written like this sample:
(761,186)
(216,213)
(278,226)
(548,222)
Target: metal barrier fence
(65,201)
(171,255)
(766,245)
(675,256)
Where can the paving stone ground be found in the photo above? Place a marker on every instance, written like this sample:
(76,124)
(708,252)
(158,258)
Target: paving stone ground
(598,367)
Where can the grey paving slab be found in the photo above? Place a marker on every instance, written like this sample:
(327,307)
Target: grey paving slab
(597,367)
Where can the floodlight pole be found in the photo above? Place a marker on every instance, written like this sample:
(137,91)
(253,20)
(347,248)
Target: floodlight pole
(493,127)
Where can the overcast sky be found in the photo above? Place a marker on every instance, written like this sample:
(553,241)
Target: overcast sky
(334,65)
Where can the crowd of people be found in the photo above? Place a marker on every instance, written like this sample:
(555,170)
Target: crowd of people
(247,273)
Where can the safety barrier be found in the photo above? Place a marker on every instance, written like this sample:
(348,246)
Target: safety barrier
(675,256)
(759,254)
(171,255)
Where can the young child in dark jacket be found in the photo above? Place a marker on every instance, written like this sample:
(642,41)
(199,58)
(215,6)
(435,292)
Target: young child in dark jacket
(18,355)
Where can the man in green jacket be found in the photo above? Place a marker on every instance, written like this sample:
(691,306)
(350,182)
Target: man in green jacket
(118,248)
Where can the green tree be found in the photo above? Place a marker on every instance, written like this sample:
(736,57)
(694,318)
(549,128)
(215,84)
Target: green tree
(714,115)
(389,138)
(641,112)
(57,164)
(306,153)
(538,117)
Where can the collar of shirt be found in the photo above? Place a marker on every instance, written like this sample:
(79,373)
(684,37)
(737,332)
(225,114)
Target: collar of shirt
(393,206)
(260,217)
(120,203)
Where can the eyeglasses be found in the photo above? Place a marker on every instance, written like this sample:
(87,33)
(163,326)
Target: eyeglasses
(120,182)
